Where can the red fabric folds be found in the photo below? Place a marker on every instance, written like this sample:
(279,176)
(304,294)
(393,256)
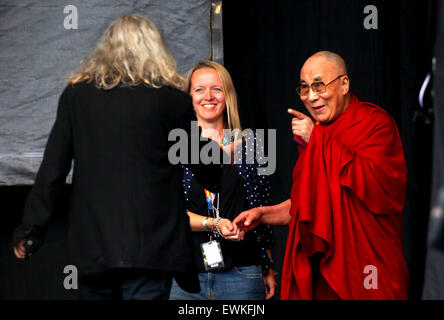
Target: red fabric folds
(348,192)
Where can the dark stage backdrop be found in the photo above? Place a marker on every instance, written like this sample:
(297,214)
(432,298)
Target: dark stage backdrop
(266,44)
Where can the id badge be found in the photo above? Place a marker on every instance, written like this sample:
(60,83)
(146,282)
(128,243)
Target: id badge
(212,255)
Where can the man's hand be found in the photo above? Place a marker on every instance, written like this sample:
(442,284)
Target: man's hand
(301,125)
(19,249)
(249,219)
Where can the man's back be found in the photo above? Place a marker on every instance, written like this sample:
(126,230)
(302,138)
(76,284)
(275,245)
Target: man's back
(127,198)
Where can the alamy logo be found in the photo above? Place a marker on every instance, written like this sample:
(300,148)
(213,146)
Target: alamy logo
(371,20)
(71,281)
(186,149)
(71,20)
(371,281)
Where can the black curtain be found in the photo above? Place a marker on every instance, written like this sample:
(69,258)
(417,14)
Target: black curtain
(266,44)
(41,277)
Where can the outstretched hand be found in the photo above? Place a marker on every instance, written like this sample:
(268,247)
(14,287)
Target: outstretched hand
(248,220)
(301,125)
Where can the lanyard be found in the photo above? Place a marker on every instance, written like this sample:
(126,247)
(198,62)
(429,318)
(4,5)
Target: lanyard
(212,209)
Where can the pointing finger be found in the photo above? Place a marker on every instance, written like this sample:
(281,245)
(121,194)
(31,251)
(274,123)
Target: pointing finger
(297,114)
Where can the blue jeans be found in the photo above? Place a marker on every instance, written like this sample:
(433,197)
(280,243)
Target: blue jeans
(127,284)
(238,283)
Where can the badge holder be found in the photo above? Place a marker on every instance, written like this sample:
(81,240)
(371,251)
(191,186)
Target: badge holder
(212,255)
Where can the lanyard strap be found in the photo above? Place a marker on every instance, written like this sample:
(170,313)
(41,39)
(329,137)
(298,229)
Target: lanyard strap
(212,209)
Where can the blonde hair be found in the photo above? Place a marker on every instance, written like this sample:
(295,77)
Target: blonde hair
(231,115)
(132,51)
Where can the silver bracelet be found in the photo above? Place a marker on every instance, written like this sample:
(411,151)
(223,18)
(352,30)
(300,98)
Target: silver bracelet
(218,227)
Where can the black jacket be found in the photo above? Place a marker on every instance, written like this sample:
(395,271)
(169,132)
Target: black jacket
(127,203)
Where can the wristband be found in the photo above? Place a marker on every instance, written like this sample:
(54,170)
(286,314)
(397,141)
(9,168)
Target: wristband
(205,224)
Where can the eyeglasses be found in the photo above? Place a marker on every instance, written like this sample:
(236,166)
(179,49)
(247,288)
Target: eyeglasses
(316,87)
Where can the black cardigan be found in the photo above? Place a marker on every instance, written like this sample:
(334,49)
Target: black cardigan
(127,205)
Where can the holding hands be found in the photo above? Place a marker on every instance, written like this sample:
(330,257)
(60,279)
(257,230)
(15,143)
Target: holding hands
(230,231)
(225,228)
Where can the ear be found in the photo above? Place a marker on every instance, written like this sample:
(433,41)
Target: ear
(345,85)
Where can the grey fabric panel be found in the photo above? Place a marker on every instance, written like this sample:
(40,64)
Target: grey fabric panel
(436,222)
(217,40)
(434,276)
(434,269)
(37,53)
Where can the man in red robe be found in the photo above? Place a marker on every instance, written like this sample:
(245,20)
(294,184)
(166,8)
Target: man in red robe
(348,193)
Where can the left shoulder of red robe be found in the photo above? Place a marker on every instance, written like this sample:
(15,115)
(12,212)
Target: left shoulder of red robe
(367,109)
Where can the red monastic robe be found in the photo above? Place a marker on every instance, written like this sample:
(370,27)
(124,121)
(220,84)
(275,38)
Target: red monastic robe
(348,193)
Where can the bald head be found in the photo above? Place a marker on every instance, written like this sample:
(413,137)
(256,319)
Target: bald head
(329,57)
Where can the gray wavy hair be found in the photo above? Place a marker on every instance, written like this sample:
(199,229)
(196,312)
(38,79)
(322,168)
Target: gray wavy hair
(131,51)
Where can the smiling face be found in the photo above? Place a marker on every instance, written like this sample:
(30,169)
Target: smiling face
(208,95)
(328,106)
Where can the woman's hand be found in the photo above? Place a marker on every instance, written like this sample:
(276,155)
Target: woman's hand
(229,230)
(270,285)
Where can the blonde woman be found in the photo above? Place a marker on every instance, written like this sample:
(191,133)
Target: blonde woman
(245,272)
(126,230)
